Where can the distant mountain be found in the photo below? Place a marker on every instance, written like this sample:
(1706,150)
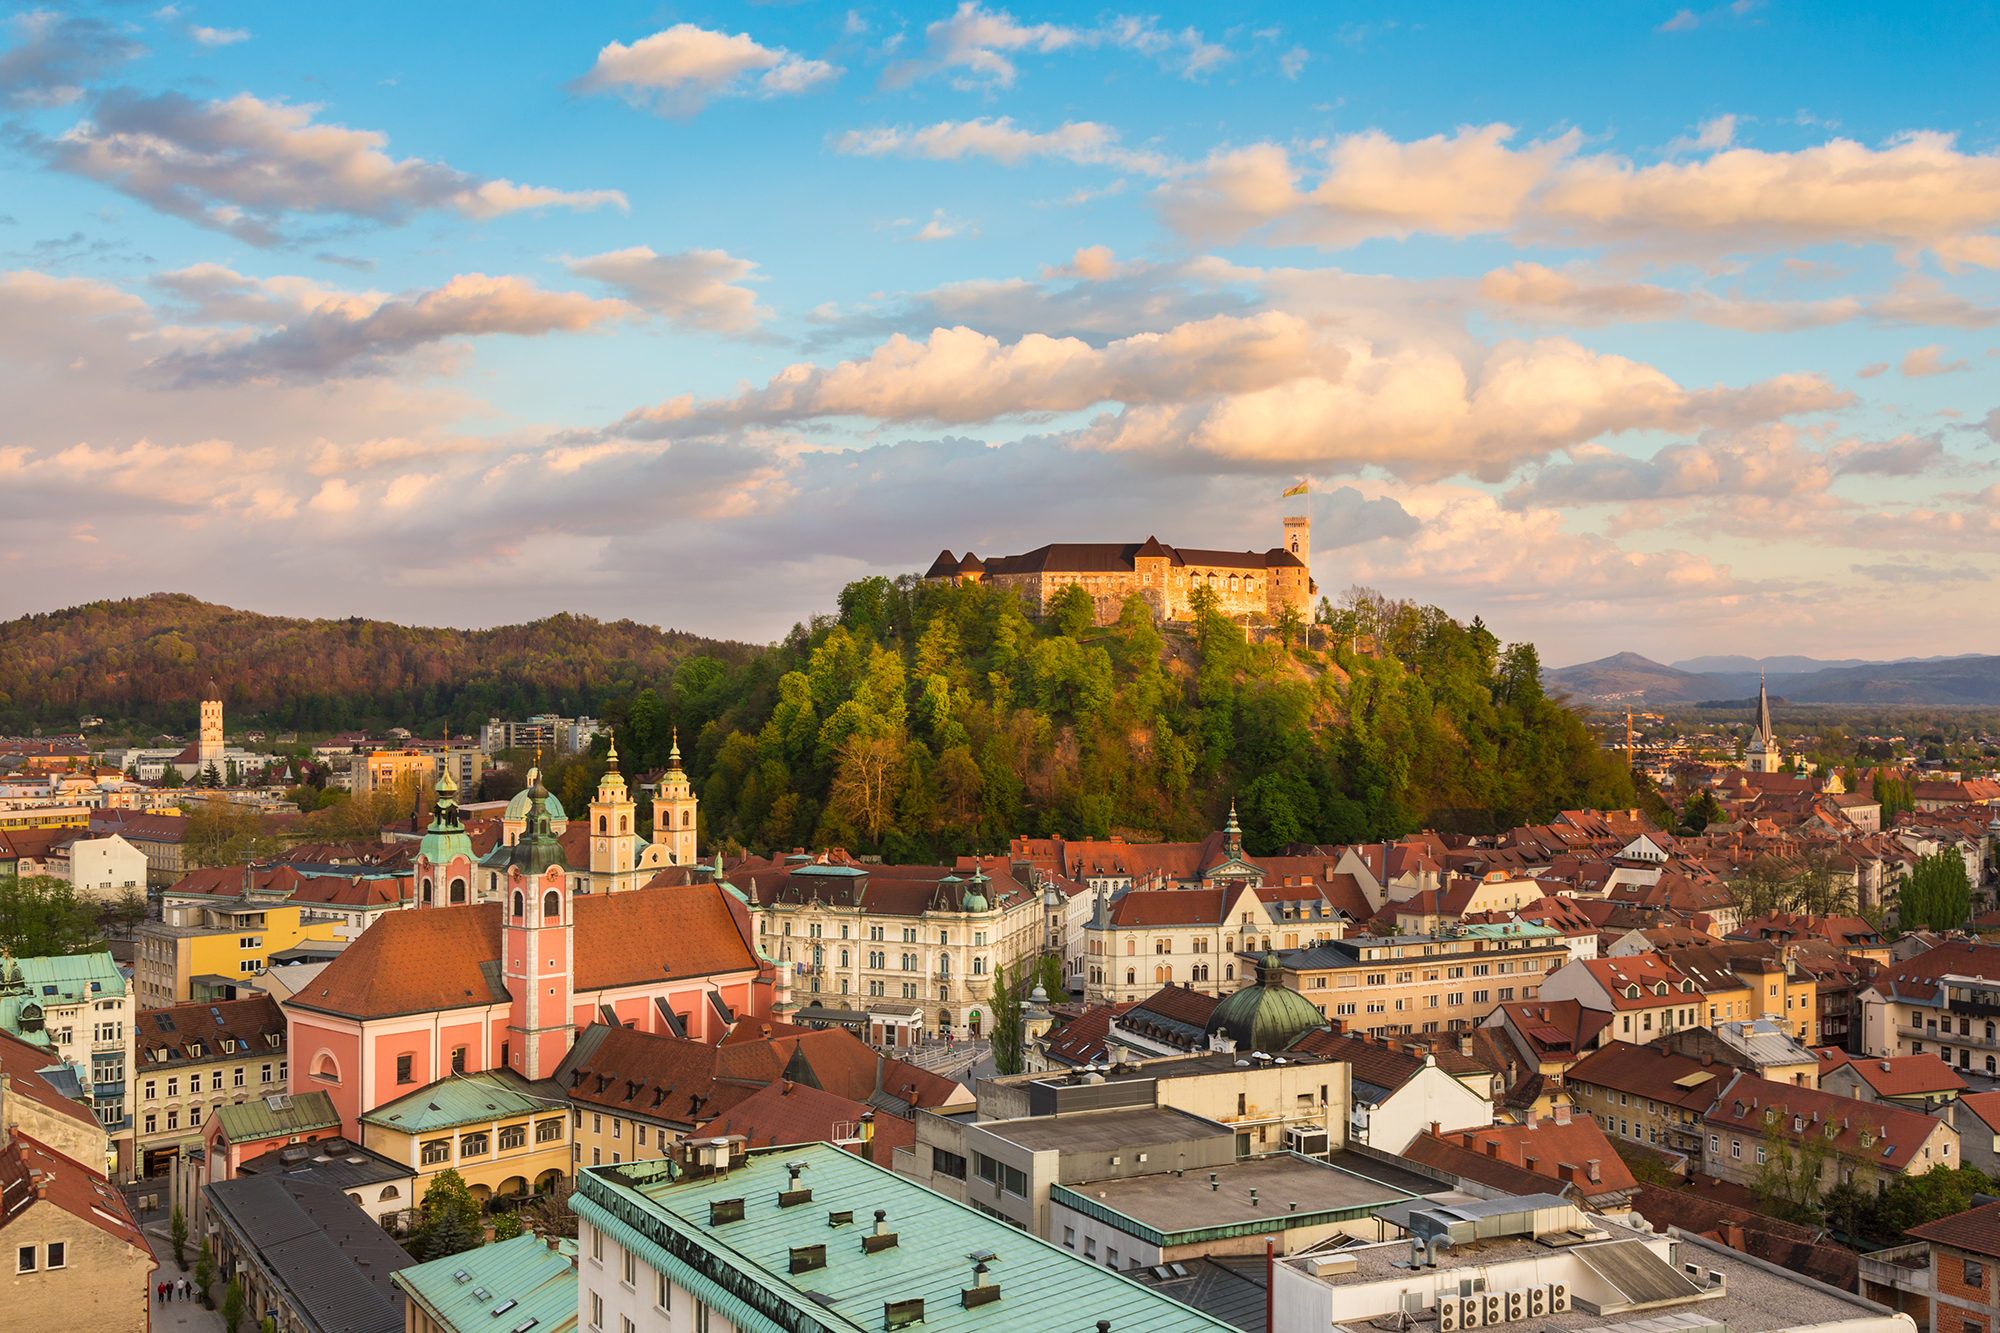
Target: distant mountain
(1631,680)
(1948,680)
(1628,679)
(1743,674)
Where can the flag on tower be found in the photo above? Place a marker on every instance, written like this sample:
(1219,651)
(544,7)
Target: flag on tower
(1299,489)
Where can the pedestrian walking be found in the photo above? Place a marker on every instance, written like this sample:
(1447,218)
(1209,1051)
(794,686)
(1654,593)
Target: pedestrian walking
(181,1289)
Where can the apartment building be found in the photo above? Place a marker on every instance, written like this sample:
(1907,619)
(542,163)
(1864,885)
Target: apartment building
(1938,1001)
(1644,994)
(1145,939)
(1643,1094)
(1440,982)
(1868,1144)
(919,935)
(79,1008)
(193,1059)
(204,951)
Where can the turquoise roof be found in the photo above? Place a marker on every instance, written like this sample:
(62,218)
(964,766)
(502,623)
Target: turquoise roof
(1509,930)
(463,1292)
(45,983)
(742,1268)
(466,1099)
(278,1116)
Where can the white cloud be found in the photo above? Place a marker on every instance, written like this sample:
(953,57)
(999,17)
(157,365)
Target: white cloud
(1084,142)
(219,36)
(1186,52)
(695,289)
(1917,192)
(245,166)
(679,69)
(54,55)
(345,336)
(1923,361)
(1266,390)
(1293,61)
(973,44)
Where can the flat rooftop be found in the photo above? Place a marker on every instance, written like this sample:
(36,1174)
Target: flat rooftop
(1179,1066)
(1172,1204)
(1755,1300)
(1104,1131)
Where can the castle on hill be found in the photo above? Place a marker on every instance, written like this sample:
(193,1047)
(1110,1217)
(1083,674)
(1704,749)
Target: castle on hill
(1245,582)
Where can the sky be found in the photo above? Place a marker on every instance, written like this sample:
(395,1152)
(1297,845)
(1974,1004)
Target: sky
(1628,328)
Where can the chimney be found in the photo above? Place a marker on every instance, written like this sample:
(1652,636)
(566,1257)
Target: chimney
(786,1089)
(1562,1114)
(1591,1166)
(1706,1059)
(1566,1173)
(1492,1147)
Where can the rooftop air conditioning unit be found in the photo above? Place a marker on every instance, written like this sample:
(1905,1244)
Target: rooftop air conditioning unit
(1558,1298)
(1447,1314)
(1471,1312)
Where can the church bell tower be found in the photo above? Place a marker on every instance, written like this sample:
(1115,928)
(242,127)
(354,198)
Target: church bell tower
(675,811)
(613,835)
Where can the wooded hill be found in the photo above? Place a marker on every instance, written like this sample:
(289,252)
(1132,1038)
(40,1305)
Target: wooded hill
(923,720)
(918,720)
(147,661)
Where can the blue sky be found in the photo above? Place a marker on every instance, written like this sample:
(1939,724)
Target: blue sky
(1641,327)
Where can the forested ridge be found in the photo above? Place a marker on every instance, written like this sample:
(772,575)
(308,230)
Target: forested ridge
(926,719)
(917,720)
(147,661)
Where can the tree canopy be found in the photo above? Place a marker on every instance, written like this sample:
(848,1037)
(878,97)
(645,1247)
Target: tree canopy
(926,719)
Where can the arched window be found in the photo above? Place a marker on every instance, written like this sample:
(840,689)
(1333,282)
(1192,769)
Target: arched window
(1159,975)
(621,824)
(944,965)
(458,891)
(427,893)
(603,824)
(551,904)
(843,958)
(325,1067)
(687,818)
(1131,977)
(388,1192)
(519,906)
(493,886)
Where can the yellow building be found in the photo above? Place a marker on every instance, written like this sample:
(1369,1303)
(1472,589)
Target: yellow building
(504,1134)
(201,951)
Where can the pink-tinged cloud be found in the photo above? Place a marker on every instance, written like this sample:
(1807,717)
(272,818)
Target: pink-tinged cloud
(680,69)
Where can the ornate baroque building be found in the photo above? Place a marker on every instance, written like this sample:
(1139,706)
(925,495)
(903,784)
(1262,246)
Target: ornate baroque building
(1256,583)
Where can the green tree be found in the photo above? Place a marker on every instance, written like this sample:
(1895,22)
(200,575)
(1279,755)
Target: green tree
(1006,1035)
(178,1228)
(232,1305)
(41,916)
(1288,624)
(204,1270)
(1789,1178)
(447,1231)
(1071,612)
(130,909)
(1936,894)
(506,1225)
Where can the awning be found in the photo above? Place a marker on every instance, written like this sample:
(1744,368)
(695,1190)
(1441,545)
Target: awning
(814,1013)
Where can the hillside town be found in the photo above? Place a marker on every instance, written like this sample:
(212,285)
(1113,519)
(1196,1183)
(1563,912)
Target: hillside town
(508,1055)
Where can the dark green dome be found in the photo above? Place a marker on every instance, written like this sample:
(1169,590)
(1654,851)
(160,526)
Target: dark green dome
(1266,1016)
(536,849)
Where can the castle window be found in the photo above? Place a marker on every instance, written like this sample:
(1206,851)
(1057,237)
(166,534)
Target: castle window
(603,824)
(427,892)
(621,823)
(458,891)
(519,906)
(551,904)
(687,818)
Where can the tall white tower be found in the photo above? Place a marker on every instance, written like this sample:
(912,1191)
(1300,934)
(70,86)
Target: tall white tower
(209,750)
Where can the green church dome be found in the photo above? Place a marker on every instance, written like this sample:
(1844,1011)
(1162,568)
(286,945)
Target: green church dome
(1267,1016)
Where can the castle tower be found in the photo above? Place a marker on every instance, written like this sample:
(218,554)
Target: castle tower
(1299,539)
(675,815)
(210,745)
(538,944)
(613,833)
(444,856)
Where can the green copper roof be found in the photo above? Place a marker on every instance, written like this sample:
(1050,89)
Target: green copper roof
(466,1099)
(742,1268)
(1266,1016)
(462,1292)
(537,849)
(296,1113)
(29,987)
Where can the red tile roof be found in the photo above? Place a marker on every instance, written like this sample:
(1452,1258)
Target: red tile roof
(1896,1075)
(28,1165)
(1646,1071)
(1977,1230)
(786,1113)
(425,960)
(1081,1041)
(19,1061)
(1171,907)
